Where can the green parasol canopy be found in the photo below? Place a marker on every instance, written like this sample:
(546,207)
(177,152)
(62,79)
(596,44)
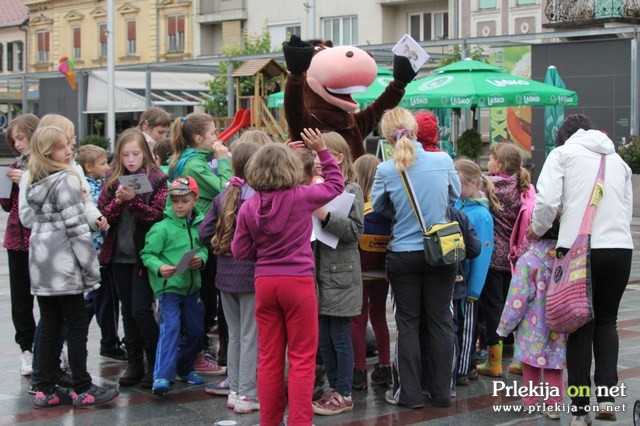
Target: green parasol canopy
(553,115)
(469,84)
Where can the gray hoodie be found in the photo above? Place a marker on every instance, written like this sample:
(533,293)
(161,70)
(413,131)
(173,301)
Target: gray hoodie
(62,259)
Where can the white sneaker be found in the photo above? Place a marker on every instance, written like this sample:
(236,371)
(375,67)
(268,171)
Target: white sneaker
(606,411)
(26,359)
(246,405)
(232,398)
(580,420)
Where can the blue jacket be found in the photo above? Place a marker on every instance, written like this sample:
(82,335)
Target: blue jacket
(436,184)
(472,245)
(475,270)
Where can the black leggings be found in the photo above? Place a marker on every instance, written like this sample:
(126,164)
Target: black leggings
(610,269)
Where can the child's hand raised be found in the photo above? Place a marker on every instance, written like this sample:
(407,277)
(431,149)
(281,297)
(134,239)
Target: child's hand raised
(312,138)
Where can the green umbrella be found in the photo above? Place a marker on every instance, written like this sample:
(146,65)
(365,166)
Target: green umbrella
(474,84)
(276,100)
(372,93)
(553,115)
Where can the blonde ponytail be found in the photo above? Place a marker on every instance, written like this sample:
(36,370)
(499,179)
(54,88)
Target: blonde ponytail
(399,127)
(489,191)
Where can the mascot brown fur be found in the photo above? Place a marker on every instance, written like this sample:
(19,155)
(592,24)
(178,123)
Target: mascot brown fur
(319,87)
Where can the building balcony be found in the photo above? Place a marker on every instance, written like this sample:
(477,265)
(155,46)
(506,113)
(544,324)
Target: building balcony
(589,13)
(215,11)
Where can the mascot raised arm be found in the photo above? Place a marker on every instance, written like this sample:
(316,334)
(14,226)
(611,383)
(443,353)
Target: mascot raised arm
(321,81)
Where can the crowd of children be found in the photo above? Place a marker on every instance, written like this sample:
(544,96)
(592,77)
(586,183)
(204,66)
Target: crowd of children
(226,233)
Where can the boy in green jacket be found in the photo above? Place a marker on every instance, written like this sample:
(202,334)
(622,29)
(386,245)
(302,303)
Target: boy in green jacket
(178,291)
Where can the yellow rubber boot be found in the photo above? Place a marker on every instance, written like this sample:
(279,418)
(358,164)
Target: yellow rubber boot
(493,366)
(515,367)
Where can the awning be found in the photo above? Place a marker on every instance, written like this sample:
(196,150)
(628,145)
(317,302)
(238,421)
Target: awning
(167,89)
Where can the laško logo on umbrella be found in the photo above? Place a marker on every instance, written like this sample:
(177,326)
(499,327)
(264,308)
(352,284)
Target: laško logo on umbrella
(495,100)
(438,82)
(503,82)
(529,99)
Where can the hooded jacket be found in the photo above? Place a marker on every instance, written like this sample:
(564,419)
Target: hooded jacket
(62,260)
(475,270)
(274,228)
(165,244)
(566,181)
(508,193)
(338,272)
(194,163)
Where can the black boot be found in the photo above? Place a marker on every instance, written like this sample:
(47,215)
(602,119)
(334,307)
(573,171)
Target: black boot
(147,380)
(135,369)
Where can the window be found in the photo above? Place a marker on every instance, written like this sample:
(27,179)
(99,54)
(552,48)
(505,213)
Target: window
(175,30)
(75,33)
(102,29)
(131,37)
(9,56)
(342,31)
(1,56)
(15,61)
(488,4)
(43,46)
(19,52)
(526,2)
(282,31)
(429,26)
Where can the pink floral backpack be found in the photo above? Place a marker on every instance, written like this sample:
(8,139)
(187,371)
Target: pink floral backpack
(518,242)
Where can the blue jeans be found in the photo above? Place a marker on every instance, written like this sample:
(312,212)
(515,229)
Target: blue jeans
(337,352)
(181,333)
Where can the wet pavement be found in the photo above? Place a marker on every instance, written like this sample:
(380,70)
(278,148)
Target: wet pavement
(190,405)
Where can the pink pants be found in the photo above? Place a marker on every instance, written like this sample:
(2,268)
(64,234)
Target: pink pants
(374,308)
(551,376)
(287,318)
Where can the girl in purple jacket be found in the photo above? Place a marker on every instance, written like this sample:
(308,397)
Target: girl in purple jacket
(274,229)
(541,351)
(234,279)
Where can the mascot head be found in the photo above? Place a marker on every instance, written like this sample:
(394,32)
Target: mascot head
(337,72)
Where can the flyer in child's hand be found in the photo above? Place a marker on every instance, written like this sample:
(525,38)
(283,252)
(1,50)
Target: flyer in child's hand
(139,183)
(183,263)
(5,183)
(410,48)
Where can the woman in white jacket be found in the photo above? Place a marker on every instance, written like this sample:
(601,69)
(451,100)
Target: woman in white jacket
(565,184)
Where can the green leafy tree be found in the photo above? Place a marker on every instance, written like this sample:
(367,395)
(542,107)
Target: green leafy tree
(101,141)
(476,53)
(470,144)
(630,153)
(252,44)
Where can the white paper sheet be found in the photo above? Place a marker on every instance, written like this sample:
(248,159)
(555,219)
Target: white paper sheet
(339,206)
(410,48)
(139,183)
(5,183)
(184,261)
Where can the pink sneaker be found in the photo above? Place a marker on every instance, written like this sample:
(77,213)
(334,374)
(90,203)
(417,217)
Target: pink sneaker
(203,365)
